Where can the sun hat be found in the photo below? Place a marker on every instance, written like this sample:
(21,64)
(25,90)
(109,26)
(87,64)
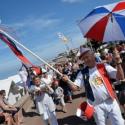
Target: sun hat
(83,50)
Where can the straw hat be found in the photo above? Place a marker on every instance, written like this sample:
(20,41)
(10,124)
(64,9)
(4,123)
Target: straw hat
(83,50)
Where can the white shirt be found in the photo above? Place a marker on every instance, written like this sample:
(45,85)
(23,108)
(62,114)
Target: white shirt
(47,80)
(96,82)
(23,75)
(44,102)
(59,92)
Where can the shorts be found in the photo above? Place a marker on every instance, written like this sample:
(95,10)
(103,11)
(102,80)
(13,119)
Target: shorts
(12,111)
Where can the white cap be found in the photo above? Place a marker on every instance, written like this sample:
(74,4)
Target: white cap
(44,70)
(83,50)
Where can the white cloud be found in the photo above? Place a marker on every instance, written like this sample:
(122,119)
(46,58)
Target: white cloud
(36,23)
(72,1)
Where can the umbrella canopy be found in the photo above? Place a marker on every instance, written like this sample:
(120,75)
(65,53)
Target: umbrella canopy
(105,23)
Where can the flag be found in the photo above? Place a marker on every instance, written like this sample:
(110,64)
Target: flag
(36,70)
(14,48)
(24,75)
(19,54)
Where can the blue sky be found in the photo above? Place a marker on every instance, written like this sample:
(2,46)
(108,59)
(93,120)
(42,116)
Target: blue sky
(35,23)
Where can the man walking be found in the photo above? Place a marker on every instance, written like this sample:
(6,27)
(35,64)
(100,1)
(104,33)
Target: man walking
(95,78)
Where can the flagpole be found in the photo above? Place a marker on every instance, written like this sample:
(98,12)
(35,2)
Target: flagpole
(39,58)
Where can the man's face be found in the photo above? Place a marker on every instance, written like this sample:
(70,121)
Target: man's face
(37,81)
(89,59)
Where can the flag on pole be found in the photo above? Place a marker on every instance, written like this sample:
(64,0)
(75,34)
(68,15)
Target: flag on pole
(19,54)
(26,74)
(14,48)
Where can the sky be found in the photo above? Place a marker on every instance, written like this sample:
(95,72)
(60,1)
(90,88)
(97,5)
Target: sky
(36,23)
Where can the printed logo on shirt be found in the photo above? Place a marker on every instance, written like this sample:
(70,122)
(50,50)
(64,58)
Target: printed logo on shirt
(97,81)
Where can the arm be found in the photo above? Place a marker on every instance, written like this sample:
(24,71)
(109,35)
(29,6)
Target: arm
(72,85)
(120,73)
(49,89)
(34,90)
(115,73)
(7,103)
(7,107)
(78,83)
(118,61)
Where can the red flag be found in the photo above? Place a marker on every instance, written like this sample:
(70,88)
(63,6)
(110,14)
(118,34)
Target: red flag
(18,53)
(14,48)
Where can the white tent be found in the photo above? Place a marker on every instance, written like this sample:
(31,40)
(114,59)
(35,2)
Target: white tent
(5,84)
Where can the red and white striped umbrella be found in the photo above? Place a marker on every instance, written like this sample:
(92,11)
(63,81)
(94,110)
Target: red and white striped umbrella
(105,23)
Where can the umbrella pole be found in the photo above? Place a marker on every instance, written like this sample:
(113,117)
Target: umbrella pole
(91,46)
(32,53)
(88,40)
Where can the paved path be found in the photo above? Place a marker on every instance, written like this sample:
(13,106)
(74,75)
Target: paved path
(70,118)
(31,117)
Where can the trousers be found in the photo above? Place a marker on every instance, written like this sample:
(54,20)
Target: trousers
(109,109)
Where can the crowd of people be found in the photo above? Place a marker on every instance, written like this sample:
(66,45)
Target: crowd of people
(96,71)
(60,92)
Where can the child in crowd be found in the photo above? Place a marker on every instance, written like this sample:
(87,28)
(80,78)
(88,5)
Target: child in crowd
(58,95)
